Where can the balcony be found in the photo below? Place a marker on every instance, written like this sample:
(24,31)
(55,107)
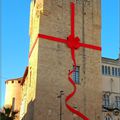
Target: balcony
(111,108)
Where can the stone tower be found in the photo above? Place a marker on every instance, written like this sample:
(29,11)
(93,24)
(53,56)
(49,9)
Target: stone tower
(50,61)
(13,94)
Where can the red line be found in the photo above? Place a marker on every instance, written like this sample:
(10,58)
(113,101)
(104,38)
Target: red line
(52,38)
(47,38)
(90,46)
(73,92)
(72,19)
(34,44)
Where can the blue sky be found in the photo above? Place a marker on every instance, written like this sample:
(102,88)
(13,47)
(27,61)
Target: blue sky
(15,36)
(110,28)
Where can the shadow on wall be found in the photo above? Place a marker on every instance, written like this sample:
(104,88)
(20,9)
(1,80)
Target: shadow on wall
(30,111)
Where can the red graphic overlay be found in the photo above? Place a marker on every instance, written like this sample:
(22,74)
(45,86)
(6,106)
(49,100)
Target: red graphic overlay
(73,43)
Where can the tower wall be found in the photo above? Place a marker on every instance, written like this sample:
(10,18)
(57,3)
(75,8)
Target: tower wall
(13,91)
(13,94)
(50,61)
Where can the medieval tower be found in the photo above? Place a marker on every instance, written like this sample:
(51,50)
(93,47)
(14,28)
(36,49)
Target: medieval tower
(13,94)
(50,61)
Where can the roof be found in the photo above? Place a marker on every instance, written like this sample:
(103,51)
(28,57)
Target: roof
(16,79)
(24,76)
(111,61)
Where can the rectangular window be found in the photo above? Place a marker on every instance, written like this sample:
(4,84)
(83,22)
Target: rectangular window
(76,76)
(108,70)
(103,72)
(113,72)
(106,101)
(118,71)
(117,101)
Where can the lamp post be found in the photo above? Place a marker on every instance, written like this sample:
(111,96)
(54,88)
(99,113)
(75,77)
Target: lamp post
(60,96)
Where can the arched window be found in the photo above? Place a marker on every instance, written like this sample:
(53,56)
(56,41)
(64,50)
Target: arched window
(108,117)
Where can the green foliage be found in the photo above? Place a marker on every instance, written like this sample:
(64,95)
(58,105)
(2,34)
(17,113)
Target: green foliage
(7,114)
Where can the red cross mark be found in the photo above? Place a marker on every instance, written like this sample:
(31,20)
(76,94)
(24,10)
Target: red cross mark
(73,43)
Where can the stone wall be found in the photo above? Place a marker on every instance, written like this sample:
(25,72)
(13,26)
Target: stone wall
(13,94)
(51,61)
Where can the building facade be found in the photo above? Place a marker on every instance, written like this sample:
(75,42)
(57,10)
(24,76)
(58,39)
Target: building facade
(111,88)
(17,90)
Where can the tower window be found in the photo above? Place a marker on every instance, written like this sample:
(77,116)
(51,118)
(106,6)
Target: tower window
(18,81)
(12,81)
(76,75)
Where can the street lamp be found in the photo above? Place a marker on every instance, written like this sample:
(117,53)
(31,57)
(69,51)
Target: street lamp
(60,96)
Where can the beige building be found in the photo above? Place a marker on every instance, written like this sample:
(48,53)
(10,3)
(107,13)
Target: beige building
(49,63)
(13,93)
(111,88)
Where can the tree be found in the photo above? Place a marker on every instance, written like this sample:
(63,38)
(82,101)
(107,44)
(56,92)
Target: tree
(8,114)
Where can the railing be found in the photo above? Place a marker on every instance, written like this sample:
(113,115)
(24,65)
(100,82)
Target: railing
(110,108)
